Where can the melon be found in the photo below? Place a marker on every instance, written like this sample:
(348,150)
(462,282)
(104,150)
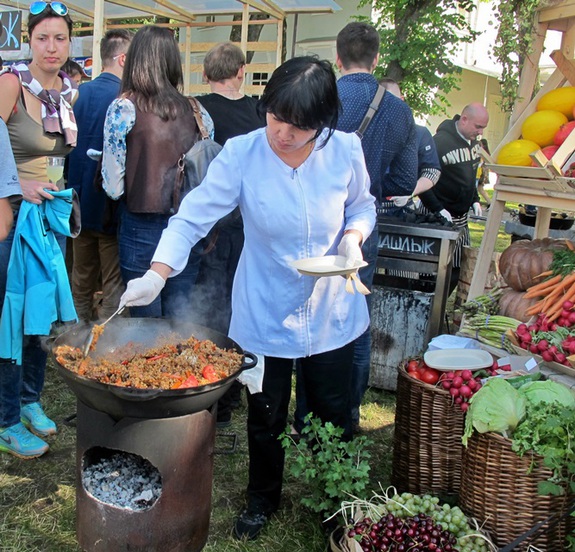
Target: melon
(561,99)
(517,153)
(541,126)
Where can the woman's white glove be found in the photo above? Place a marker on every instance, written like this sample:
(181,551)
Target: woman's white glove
(142,291)
(477,211)
(350,249)
(446,215)
(400,201)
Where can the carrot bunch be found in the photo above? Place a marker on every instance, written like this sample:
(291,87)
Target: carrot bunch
(554,292)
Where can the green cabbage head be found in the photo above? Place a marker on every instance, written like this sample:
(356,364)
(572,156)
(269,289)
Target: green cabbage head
(547,392)
(496,407)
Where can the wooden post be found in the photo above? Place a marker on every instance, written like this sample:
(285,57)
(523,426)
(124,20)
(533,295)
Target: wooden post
(99,26)
(188,60)
(244,37)
(529,74)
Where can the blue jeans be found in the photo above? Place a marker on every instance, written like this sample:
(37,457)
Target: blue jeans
(362,349)
(20,384)
(361,352)
(138,237)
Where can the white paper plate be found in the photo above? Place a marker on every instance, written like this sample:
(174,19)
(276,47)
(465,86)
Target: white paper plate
(458,359)
(329,265)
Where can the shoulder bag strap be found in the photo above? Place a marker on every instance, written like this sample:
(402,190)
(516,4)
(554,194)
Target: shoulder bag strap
(371,111)
(178,184)
(198,116)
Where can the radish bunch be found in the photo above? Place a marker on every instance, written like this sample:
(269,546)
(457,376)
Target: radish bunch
(553,341)
(463,384)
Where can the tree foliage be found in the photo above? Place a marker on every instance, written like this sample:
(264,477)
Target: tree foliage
(514,42)
(419,40)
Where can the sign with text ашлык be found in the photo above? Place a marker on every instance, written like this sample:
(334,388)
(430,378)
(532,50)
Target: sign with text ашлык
(10,30)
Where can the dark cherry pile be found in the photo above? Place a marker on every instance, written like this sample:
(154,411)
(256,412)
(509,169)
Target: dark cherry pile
(419,533)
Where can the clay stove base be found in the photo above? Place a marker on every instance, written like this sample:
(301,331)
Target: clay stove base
(181,449)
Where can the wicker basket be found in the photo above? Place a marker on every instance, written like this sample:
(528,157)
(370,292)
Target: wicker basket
(496,487)
(427,445)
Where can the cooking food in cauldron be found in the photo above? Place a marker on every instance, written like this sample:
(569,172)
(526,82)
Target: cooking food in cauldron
(189,363)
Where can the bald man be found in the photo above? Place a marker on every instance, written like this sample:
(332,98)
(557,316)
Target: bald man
(458,151)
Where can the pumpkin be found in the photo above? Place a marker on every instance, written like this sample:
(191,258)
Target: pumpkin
(561,99)
(523,260)
(517,153)
(541,126)
(514,304)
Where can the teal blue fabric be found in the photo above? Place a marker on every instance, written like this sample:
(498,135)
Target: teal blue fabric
(37,288)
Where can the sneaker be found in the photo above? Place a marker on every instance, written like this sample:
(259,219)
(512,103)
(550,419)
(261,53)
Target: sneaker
(249,524)
(17,440)
(33,417)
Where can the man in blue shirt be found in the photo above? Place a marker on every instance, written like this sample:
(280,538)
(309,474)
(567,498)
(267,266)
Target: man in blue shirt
(96,248)
(390,149)
(428,166)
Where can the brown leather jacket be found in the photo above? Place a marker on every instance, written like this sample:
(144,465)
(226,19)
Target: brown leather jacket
(153,148)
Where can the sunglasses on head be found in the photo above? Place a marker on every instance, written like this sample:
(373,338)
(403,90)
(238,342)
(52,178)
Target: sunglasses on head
(57,7)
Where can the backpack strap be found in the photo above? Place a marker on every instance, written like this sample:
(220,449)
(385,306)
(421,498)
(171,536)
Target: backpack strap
(371,111)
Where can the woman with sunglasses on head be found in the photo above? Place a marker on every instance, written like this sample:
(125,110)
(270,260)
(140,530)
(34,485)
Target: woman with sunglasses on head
(303,191)
(35,104)
(147,129)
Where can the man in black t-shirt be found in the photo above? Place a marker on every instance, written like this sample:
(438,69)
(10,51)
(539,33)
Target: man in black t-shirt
(233,114)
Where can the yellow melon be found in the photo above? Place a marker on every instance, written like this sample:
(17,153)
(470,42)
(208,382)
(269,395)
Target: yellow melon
(517,152)
(561,99)
(541,126)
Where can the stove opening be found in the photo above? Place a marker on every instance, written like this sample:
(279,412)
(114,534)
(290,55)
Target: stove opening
(121,479)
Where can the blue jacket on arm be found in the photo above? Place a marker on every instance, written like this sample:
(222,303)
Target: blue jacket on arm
(37,287)
(90,111)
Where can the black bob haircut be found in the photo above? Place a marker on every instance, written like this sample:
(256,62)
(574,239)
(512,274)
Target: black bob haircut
(303,92)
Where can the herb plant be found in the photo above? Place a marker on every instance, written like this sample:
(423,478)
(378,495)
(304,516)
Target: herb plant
(332,469)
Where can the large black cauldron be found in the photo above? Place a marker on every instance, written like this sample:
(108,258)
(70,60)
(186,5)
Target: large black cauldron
(120,402)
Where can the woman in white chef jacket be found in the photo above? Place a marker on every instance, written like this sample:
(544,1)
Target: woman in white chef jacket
(303,191)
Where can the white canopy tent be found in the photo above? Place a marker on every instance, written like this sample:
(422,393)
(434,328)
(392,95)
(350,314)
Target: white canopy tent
(184,13)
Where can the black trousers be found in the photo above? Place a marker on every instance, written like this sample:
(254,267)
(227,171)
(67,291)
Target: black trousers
(327,379)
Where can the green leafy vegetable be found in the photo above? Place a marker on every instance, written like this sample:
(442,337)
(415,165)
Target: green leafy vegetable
(549,431)
(547,392)
(332,468)
(497,407)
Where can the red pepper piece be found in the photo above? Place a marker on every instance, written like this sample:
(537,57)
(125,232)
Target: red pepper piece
(157,357)
(209,373)
(190,381)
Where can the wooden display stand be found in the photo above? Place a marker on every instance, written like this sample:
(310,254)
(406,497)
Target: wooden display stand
(542,186)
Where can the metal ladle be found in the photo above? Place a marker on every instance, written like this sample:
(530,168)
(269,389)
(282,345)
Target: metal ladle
(90,338)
